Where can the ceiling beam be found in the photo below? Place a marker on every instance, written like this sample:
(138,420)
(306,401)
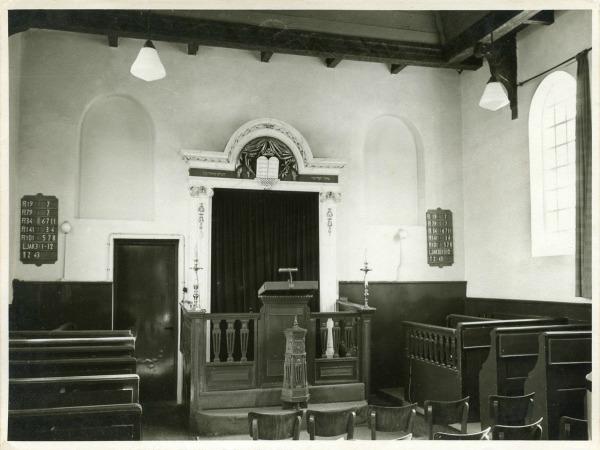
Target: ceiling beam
(396,68)
(266,56)
(499,23)
(153,25)
(332,62)
(541,18)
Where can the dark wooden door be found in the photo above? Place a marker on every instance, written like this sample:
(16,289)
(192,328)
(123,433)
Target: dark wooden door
(145,301)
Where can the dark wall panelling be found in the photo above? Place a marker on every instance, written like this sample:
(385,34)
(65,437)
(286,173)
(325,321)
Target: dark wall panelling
(46,305)
(574,311)
(428,302)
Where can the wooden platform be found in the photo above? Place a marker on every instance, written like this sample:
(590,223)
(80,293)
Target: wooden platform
(214,420)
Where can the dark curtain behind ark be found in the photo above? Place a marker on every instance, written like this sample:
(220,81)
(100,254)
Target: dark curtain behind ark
(583,162)
(253,234)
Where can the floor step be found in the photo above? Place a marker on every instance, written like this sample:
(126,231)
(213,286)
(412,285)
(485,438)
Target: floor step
(253,398)
(234,421)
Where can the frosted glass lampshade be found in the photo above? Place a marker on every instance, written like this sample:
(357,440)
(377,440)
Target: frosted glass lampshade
(494,96)
(147,65)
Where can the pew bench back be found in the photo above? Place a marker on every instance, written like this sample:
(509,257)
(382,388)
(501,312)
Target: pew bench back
(558,377)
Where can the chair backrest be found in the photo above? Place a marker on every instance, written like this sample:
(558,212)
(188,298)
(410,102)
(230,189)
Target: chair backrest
(274,426)
(331,423)
(573,429)
(445,413)
(482,435)
(511,410)
(391,418)
(406,437)
(531,432)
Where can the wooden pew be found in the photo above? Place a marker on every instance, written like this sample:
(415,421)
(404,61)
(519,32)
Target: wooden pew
(71,367)
(30,334)
(444,363)
(51,392)
(558,377)
(76,423)
(70,341)
(513,354)
(70,351)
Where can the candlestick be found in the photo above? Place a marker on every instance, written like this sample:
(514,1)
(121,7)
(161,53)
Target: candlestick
(366,269)
(196,295)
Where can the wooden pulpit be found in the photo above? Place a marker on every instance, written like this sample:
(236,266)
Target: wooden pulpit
(281,301)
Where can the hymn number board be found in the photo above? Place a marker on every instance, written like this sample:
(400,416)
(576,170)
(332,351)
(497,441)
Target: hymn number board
(440,249)
(39,229)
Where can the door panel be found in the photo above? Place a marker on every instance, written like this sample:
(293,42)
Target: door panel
(145,297)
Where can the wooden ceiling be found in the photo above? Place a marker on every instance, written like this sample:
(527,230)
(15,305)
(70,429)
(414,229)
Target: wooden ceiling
(442,39)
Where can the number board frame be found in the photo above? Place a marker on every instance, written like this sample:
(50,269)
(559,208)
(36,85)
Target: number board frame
(440,237)
(38,229)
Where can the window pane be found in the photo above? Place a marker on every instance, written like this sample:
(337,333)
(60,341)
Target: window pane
(550,179)
(561,133)
(549,158)
(551,200)
(571,151)
(551,221)
(571,108)
(562,156)
(563,176)
(563,197)
(560,112)
(565,219)
(548,118)
(571,130)
(548,137)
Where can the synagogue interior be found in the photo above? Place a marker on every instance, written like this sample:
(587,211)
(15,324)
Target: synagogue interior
(298,224)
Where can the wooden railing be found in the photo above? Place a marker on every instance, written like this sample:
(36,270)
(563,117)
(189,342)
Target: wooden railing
(221,351)
(233,337)
(432,344)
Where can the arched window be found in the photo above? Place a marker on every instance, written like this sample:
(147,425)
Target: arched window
(552,165)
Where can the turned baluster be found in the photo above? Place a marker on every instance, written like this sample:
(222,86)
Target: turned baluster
(453,352)
(216,339)
(336,338)
(349,337)
(230,336)
(244,334)
(323,330)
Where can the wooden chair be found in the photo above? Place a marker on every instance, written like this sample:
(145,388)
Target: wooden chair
(391,418)
(331,423)
(446,413)
(274,426)
(482,435)
(406,437)
(571,429)
(531,432)
(511,410)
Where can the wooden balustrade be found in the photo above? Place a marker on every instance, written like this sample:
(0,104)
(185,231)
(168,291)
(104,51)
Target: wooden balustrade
(237,332)
(221,350)
(433,344)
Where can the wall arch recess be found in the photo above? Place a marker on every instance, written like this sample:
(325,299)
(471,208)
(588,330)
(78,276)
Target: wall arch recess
(116,141)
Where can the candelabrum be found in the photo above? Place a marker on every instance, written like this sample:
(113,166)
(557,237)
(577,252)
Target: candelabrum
(366,269)
(196,295)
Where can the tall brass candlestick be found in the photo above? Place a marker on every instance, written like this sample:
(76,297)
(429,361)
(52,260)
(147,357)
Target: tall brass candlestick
(366,269)
(196,268)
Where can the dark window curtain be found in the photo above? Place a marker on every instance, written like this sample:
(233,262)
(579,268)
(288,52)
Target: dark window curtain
(583,161)
(253,234)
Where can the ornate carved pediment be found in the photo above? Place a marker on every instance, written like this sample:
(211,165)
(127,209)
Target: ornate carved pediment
(264,137)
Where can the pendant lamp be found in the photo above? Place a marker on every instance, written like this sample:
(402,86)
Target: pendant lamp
(147,65)
(494,95)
